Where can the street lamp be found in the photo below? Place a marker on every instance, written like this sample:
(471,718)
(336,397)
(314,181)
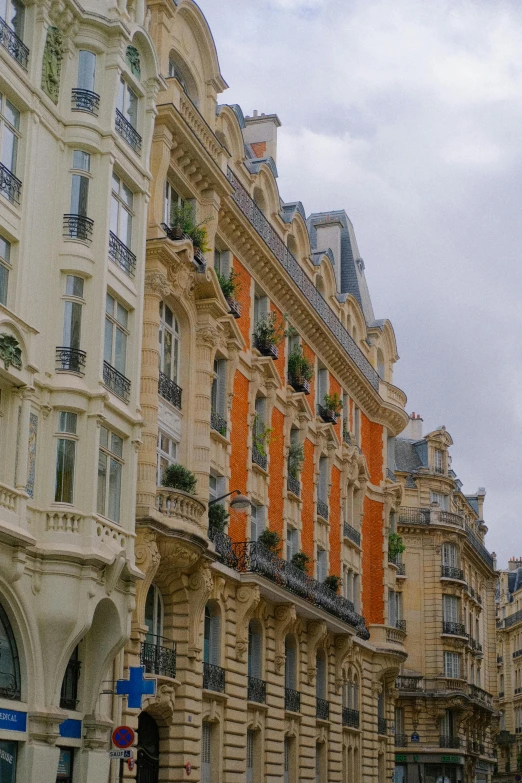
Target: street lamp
(241,501)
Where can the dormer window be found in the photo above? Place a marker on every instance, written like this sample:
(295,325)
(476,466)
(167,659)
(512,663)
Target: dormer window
(439,461)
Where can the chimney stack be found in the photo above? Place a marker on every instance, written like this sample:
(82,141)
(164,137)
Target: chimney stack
(413,429)
(260,132)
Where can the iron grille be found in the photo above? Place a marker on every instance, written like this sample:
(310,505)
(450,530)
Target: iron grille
(218,423)
(158,658)
(128,132)
(351,533)
(326,415)
(85,100)
(451,572)
(70,359)
(69,692)
(293,485)
(382,726)
(121,255)
(256,690)
(259,459)
(322,509)
(454,629)
(10,186)
(78,227)
(12,43)
(116,382)
(350,717)
(169,390)
(322,709)
(213,678)
(448,741)
(292,700)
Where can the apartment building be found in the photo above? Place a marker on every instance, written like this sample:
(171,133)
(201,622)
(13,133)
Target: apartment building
(78,84)
(445,714)
(266,375)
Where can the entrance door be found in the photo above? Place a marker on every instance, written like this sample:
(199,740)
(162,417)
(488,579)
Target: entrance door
(148,749)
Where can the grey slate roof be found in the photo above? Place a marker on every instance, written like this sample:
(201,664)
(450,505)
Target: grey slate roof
(288,211)
(407,458)
(353,280)
(254,164)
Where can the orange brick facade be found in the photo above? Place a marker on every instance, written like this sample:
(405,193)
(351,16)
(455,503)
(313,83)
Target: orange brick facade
(277,459)
(239,458)
(373,562)
(307,495)
(335,523)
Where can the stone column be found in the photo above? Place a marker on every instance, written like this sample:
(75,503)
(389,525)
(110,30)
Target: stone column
(23,439)
(206,341)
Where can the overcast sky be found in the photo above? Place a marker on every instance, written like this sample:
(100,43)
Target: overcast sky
(407,113)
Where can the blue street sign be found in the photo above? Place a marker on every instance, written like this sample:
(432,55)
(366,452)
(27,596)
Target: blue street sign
(136,687)
(13,720)
(415,737)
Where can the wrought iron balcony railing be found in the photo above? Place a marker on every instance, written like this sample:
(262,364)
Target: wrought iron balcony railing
(266,348)
(85,100)
(479,548)
(169,390)
(218,423)
(299,384)
(401,569)
(78,227)
(346,435)
(159,656)
(292,700)
(500,659)
(400,625)
(259,459)
(449,741)
(351,533)
(252,557)
(322,709)
(454,629)
(328,416)
(452,572)
(414,516)
(70,359)
(10,186)
(234,307)
(121,255)
(12,43)
(256,690)
(350,717)
(382,726)
(322,509)
(293,485)
(116,382)
(69,692)
(256,218)
(128,132)
(213,678)
(401,740)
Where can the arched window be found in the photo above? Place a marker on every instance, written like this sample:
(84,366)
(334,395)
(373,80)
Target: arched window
(9,661)
(211,653)
(178,70)
(148,749)
(154,615)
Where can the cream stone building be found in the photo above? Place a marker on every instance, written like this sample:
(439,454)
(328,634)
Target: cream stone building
(509,653)
(78,83)
(445,714)
(264,672)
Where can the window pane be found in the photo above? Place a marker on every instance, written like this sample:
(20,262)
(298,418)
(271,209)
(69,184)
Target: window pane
(104,437)
(107,351)
(120,102)
(9,149)
(132,107)
(126,195)
(120,349)
(79,195)
(116,445)
(102,481)
(114,490)
(125,233)
(65,471)
(74,286)
(86,70)
(81,160)
(167,353)
(16,18)
(5,250)
(4,280)
(67,422)
(12,114)
(122,315)
(72,324)
(109,305)
(115,209)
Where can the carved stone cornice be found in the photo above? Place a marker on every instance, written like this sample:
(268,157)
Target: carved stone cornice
(157,283)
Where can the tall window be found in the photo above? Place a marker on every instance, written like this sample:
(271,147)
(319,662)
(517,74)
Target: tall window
(394,608)
(322,384)
(357,424)
(322,564)
(320,680)
(449,555)
(219,388)
(72,312)
(121,211)
(447,726)
(167,452)
(260,307)
(110,465)
(10,133)
(292,542)
(439,466)
(288,759)
(65,457)
(451,665)
(154,615)
(451,609)
(86,70)
(116,333)
(322,488)
(206,752)
(212,634)
(10,674)
(257,521)
(127,103)
(5,268)
(290,663)
(80,182)
(172,200)
(13,13)
(255,646)
(442,500)
(169,343)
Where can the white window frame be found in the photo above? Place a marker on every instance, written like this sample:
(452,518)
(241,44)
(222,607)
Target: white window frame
(9,125)
(66,439)
(125,105)
(452,665)
(169,457)
(5,269)
(175,344)
(86,79)
(122,210)
(118,331)
(114,464)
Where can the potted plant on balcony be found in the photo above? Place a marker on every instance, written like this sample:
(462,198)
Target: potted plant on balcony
(217,518)
(268,333)
(177,476)
(331,408)
(261,436)
(300,370)
(301,561)
(333,583)
(231,286)
(199,237)
(395,546)
(271,540)
(295,459)
(181,220)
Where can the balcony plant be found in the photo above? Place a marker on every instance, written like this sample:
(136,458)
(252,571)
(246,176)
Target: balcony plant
(333,583)
(268,333)
(217,517)
(230,285)
(177,476)
(261,435)
(300,370)
(181,220)
(395,546)
(295,459)
(333,403)
(301,561)
(271,540)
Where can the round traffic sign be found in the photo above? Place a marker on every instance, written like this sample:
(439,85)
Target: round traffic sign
(123,737)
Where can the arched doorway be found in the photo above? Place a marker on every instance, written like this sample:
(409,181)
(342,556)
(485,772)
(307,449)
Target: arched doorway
(148,749)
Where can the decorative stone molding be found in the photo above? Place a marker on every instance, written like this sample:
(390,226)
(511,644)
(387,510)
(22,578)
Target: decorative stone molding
(285,619)
(44,726)
(199,590)
(247,600)
(113,571)
(157,283)
(343,648)
(147,559)
(207,335)
(52,63)
(10,351)
(161,706)
(96,732)
(316,634)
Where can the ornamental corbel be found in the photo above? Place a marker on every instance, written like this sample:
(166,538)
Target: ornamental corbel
(343,649)
(147,558)
(285,618)
(316,633)
(247,599)
(157,283)
(199,590)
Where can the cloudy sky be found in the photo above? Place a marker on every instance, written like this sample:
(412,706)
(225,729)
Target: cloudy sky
(407,113)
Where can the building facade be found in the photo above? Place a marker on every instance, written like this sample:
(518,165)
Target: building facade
(78,84)
(445,715)
(509,652)
(264,672)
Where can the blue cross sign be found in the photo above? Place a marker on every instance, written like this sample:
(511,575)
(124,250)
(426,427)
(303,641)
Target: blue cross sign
(136,687)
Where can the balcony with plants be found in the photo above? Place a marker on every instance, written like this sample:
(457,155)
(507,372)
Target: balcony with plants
(268,333)
(300,370)
(331,408)
(295,465)
(231,286)
(260,440)
(183,226)
(175,499)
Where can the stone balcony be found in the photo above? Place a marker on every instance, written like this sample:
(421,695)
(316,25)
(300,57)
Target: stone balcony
(392,394)
(13,518)
(389,639)
(176,513)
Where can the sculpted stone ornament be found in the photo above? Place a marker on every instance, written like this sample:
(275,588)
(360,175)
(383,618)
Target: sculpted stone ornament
(200,588)
(247,598)
(133,58)
(52,63)
(10,351)
(285,619)
(157,283)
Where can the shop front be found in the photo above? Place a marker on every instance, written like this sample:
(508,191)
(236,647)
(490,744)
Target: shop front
(428,768)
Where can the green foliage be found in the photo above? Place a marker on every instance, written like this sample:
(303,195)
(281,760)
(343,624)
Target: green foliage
(301,561)
(299,366)
(229,285)
(271,540)
(217,517)
(395,546)
(261,435)
(333,582)
(182,217)
(269,329)
(332,402)
(199,237)
(295,459)
(179,477)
